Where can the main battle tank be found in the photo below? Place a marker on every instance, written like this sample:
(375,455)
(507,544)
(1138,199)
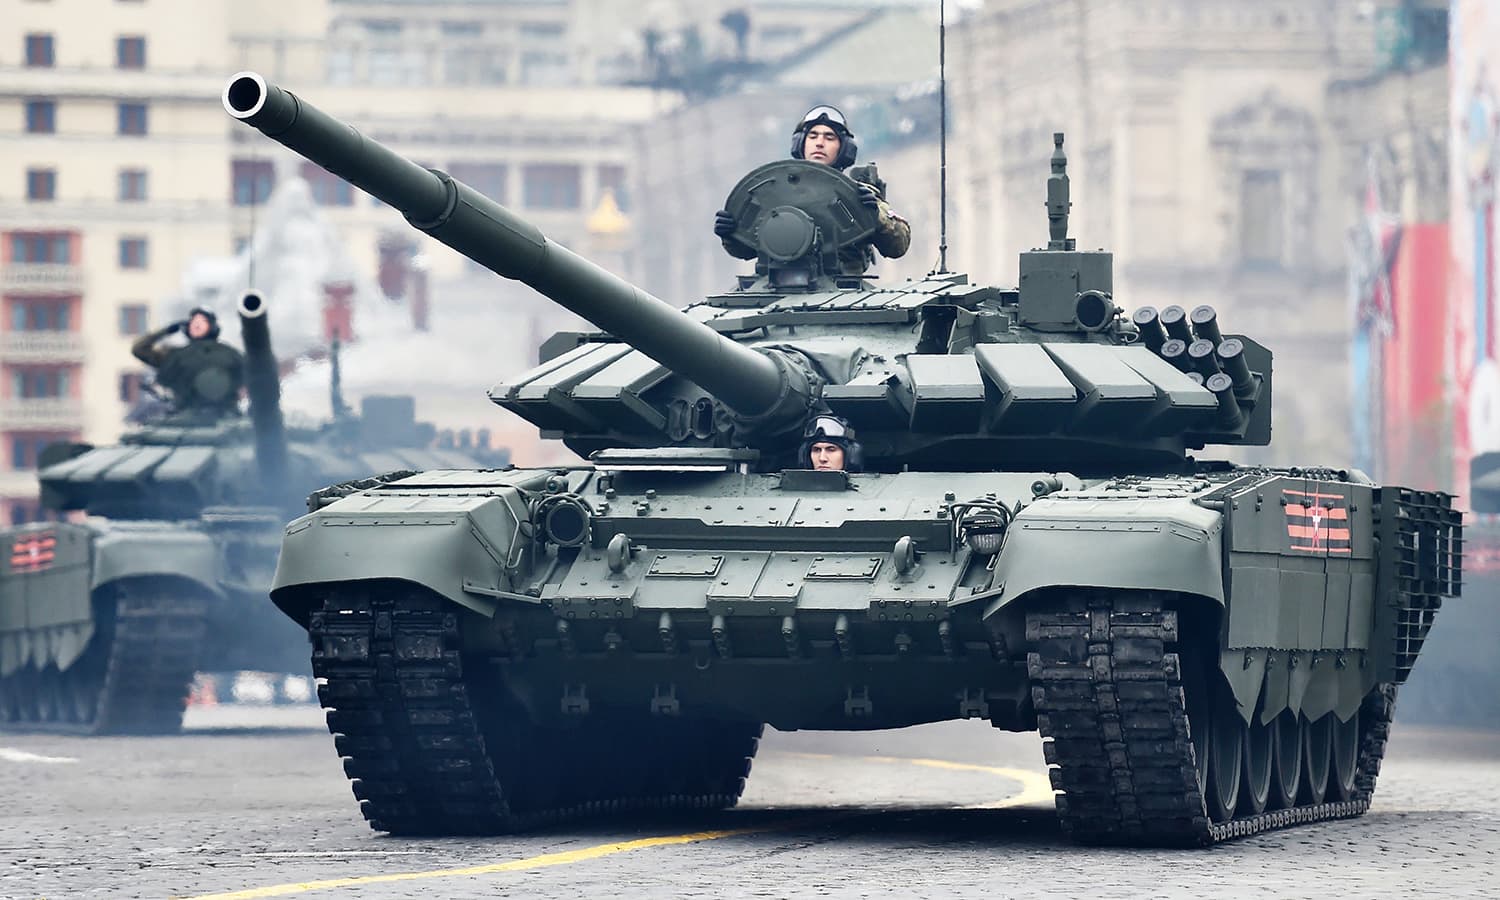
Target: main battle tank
(103,622)
(1208,650)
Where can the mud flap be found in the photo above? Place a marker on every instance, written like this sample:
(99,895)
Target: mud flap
(1278,687)
(1245,670)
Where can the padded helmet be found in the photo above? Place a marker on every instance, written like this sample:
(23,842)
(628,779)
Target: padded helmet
(213,322)
(824,428)
(830,116)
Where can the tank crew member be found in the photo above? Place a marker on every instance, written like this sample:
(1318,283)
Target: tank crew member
(830,444)
(823,136)
(204,373)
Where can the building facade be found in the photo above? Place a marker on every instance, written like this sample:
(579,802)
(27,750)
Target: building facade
(1205,149)
(112,177)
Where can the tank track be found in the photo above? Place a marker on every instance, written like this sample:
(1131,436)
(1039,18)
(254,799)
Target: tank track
(1111,706)
(139,666)
(434,745)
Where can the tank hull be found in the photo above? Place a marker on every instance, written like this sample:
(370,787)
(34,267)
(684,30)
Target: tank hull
(714,604)
(103,625)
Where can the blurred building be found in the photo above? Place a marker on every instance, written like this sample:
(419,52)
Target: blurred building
(113,176)
(1207,148)
(1393,124)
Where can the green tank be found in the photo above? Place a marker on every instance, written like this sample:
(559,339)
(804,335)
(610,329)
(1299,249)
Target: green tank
(1208,650)
(105,619)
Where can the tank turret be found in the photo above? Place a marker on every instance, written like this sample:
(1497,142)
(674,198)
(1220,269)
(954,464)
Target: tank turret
(263,384)
(1049,374)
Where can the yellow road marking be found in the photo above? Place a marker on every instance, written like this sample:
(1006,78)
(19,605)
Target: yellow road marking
(1035,788)
(515,865)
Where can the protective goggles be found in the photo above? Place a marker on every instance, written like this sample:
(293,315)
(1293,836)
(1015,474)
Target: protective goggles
(824,115)
(826,426)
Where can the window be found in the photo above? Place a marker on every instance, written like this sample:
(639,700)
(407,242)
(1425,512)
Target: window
(132,185)
(327,188)
(545,69)
(133,319)
(130,52)
(41,184)
(132,253)
(462,29)
(40,383)
(251,180)
(475,64)
(612,178)
(130,386)
(41,314)
(41,247)
(551,186)
(341,65)
(41,116)
(1262,221)
(486,178)
(133,118)
(24,511)
(26,448)
(541,32)
(39,51)
(388,28)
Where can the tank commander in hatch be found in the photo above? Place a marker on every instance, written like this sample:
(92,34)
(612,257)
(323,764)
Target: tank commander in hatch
(203,374)
(823,136)
(829,444)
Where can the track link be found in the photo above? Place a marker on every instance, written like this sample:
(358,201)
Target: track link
(1111,707)
(434,744)
(133,678)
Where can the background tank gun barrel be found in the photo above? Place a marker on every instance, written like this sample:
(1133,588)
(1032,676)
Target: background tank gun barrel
(263,384)
(753,384)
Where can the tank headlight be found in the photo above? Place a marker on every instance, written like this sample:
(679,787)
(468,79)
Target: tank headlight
(566,522)
(984,534)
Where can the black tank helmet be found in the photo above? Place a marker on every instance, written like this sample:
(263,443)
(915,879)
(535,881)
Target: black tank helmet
(825,428)
(830,116)
(213,322)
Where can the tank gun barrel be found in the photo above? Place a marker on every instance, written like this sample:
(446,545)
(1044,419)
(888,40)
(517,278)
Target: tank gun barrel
(753,384)
(263,384)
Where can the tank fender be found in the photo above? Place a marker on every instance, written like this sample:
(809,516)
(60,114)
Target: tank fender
(1112,544)
(122,551)
(461,547)
(45,614)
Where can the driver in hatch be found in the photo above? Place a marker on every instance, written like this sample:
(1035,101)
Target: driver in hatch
(823,136)
(830,445)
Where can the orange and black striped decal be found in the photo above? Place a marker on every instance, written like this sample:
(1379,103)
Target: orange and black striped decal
(33,552)
(1317,523)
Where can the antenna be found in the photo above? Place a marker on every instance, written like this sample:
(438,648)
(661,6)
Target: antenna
(335,380)
(942,265)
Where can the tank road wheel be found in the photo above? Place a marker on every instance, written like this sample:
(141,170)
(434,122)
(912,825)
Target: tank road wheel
(1255,783)
(49,695)
(9,708)
(82,684)
(1345,756)
(1226,743)
(1317,752)
(20,696)
(1286,760)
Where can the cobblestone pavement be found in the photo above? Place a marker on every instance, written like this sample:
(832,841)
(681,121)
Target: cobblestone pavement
(254,801)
